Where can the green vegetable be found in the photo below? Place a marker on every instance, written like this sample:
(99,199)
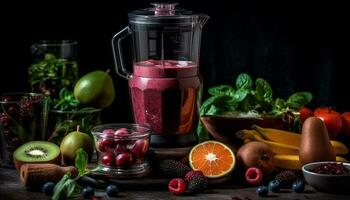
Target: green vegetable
(50,74)
(66,101)
(68,187)
(247,97)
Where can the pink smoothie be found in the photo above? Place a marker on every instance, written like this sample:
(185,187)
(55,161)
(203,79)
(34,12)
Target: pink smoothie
(165,96)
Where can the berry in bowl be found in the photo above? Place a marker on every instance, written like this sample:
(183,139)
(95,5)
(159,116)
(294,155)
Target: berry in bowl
(330,177)
(122,150)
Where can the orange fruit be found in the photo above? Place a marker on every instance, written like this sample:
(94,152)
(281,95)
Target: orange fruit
(213,158)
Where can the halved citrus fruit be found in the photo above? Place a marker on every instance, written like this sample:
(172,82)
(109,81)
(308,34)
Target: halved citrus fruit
(213,158)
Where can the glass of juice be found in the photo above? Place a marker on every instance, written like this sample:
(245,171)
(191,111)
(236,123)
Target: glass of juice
(23,118)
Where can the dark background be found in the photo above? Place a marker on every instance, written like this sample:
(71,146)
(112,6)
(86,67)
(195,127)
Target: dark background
(296,46)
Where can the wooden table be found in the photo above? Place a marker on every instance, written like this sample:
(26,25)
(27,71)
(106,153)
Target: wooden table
(11,188)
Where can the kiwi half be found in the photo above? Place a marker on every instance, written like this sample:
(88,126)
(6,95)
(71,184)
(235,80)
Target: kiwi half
(36,152)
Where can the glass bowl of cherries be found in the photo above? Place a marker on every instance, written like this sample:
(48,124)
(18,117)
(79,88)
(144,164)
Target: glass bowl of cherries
(122,150)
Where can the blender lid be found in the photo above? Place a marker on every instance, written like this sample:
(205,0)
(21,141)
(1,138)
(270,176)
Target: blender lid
(165,13)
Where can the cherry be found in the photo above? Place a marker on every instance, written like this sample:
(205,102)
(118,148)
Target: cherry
(119,148)
(122,132)
(106,144)
(123,160)
(139,148)
(108,132)
(108,159)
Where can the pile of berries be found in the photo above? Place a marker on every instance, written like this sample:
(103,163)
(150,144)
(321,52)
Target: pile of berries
(331,168)
(121,148)
(194,182)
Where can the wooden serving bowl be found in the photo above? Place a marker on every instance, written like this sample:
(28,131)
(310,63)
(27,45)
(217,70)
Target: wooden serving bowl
(223,128)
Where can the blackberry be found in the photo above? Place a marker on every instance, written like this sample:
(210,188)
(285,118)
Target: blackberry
(198,184)
(189,176)
(286,178)
(173,169)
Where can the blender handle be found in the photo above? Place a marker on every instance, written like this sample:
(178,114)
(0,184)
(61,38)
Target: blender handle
(117,53)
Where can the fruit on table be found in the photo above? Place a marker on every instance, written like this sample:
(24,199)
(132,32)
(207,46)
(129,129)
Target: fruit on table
(346,123)
(95,89)
(36,152)
(173,168)
(315,144)
(278,148)
(293,139)
(332,120)
(286,178)
(253,175)
(256,154)
(292,161)
(177,186)
(189,176)
(112,190)
(305,113)
(74,141)
(198,184)
(34,175)
(48,188)
(262,191)
(298,186)
(88,192)
(213,158)
(274,186)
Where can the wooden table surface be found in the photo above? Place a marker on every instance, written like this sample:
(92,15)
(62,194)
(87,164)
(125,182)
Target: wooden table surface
(11,188)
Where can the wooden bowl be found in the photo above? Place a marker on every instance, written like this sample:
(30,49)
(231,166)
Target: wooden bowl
(223,128)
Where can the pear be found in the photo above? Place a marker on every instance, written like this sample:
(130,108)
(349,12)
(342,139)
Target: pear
(95,89)
(74,141)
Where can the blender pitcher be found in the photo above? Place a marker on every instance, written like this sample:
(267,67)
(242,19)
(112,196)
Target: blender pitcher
(165,83)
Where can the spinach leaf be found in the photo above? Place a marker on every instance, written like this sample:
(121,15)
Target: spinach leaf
(221,90)
(244,81)
(81,161)
(299,99)
(65,188)
(263,90)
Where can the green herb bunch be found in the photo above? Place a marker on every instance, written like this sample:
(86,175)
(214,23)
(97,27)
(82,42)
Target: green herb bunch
(250,97)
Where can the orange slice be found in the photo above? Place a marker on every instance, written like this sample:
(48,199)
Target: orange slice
(213,158)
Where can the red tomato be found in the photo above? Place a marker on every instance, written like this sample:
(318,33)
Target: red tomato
(346,123)
(305,113)
(332,119)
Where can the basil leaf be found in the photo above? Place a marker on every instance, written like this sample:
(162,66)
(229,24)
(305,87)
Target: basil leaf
(59,187)
(299,99)
(81,161)
(202,132)
(221,90)
(263,90)
(66,188)
(244,81)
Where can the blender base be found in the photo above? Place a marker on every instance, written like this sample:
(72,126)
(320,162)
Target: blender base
(174,147)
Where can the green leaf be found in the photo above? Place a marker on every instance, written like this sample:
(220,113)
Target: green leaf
(263,90)
(220,103)
(65,188)
(202,132)
(81,161)
(240,95)
(244,81)
(221,90)
(299,99)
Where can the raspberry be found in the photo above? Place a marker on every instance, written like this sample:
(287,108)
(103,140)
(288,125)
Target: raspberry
(177,186)
(253,175)
(189,176)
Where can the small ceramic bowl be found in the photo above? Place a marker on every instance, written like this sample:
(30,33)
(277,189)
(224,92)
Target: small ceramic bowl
(326,182)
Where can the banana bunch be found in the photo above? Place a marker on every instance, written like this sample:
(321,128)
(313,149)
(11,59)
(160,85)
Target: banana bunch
(285,145)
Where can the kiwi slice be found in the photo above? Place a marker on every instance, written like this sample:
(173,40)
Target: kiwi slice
(36,152)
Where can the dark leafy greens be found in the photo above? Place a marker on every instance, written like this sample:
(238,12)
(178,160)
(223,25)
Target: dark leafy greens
(249,97)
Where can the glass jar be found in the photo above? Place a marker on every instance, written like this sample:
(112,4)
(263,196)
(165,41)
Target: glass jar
(54,66)
(122,150)
(23,118)
(63,122)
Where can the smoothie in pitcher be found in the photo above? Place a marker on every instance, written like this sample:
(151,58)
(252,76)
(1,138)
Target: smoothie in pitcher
(164,95)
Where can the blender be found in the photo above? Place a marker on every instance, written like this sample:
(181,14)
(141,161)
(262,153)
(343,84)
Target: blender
(165,84)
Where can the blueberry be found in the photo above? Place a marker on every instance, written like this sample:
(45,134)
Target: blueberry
(112,190)
(48,188)
(274,186)
(88,192)
(298,186)
(262,191)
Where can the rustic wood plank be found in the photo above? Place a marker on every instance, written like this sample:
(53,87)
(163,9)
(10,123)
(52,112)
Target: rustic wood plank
(11,189)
